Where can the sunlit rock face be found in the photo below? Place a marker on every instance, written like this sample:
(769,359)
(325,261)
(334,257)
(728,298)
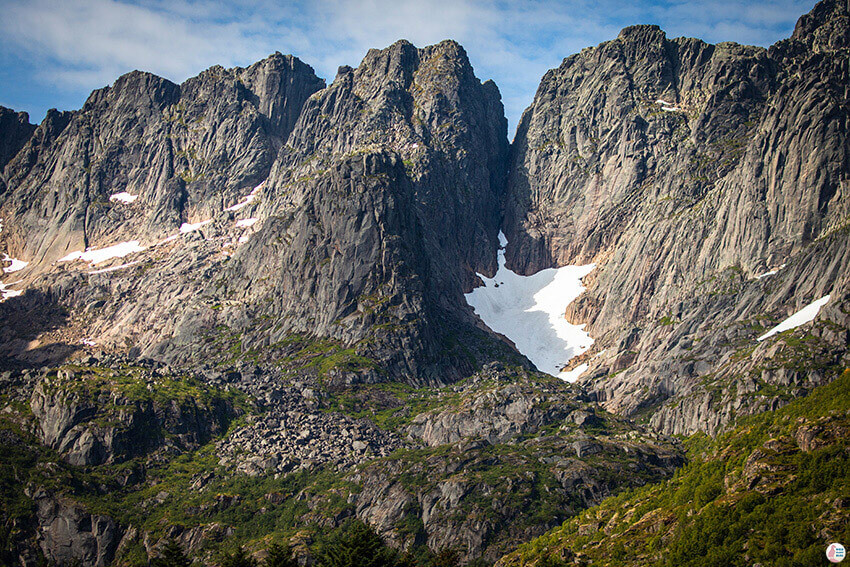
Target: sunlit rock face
(684,171)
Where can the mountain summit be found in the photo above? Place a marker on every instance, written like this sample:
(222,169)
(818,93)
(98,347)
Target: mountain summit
(235,311)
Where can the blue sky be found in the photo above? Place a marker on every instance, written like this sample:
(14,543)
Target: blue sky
(53,53)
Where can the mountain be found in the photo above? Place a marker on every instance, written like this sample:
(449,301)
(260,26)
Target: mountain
(421,140)
(686,171)
(234,310)
(770,491)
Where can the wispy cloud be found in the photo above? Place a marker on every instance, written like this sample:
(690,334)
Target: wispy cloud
(83,43)
(75,46)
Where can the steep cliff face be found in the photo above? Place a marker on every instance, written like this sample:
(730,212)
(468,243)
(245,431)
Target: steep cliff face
(96,416)
(182,150)
(290,221)
(15,131)
(685,170)
(427,106)
(409,141)
(253,241)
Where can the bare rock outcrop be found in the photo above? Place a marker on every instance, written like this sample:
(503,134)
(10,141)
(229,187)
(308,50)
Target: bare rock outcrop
(708,183)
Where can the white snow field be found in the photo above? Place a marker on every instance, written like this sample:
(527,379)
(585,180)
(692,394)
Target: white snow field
(115,268)
(247,199)
(772,272)
(668,106)
(246,223)
(103,254)
(6,293)
(123,197)
(189,227)
(530,310)
(17,265)
(804,315)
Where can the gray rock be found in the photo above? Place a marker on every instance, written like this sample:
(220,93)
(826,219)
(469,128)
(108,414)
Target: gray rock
(68,533)
(682,203)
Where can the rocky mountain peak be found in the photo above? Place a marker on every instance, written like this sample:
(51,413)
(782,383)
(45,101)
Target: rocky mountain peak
(254,244)
(15,131)
(826,27)
(235,162)
(280,82)
(649,156)
(135,89)
(642,33)
(394,62)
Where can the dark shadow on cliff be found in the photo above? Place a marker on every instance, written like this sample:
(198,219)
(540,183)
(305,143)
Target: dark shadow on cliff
(23,320)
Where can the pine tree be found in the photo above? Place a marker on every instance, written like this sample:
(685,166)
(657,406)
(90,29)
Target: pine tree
(238,558)
(279,556)
(356,546)
(171,555)
(446,558)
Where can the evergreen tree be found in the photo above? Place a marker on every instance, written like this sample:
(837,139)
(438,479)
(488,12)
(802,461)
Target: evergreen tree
(446,558)
(280,556)
(238,558)
(171,555)
(357,545)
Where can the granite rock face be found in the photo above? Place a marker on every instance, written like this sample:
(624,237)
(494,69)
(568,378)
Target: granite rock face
(15,131)
(304,249)
(71,534)
(91,421)
(313,220)
(685,170)
(477,463)
(183,150)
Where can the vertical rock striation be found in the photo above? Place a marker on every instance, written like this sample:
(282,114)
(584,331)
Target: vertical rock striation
(685,170)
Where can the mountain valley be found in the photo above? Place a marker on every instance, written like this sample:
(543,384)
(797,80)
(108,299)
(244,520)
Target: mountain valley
(253,309)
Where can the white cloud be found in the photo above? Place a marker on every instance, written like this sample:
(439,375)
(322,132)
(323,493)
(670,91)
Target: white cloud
(86,44)
(81,42)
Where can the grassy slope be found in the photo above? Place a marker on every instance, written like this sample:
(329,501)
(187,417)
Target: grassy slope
(750,496)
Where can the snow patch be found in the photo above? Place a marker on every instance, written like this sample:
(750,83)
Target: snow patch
(572,375)
(247,199)
(17,265)
(123,197)
(668,106)
(87,342)
(6,293)
(243,239)
(530,310)
(169,239)
(103,254)
(804,315)
(772,272)
(245,223)
(189,227)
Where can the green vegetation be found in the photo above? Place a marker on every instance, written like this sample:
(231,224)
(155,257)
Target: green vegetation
(356,545)
(280,556)
(133,384)
(16,509)
(297,353)
(389,405)
(238,558)
(171,555)
(772,491)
